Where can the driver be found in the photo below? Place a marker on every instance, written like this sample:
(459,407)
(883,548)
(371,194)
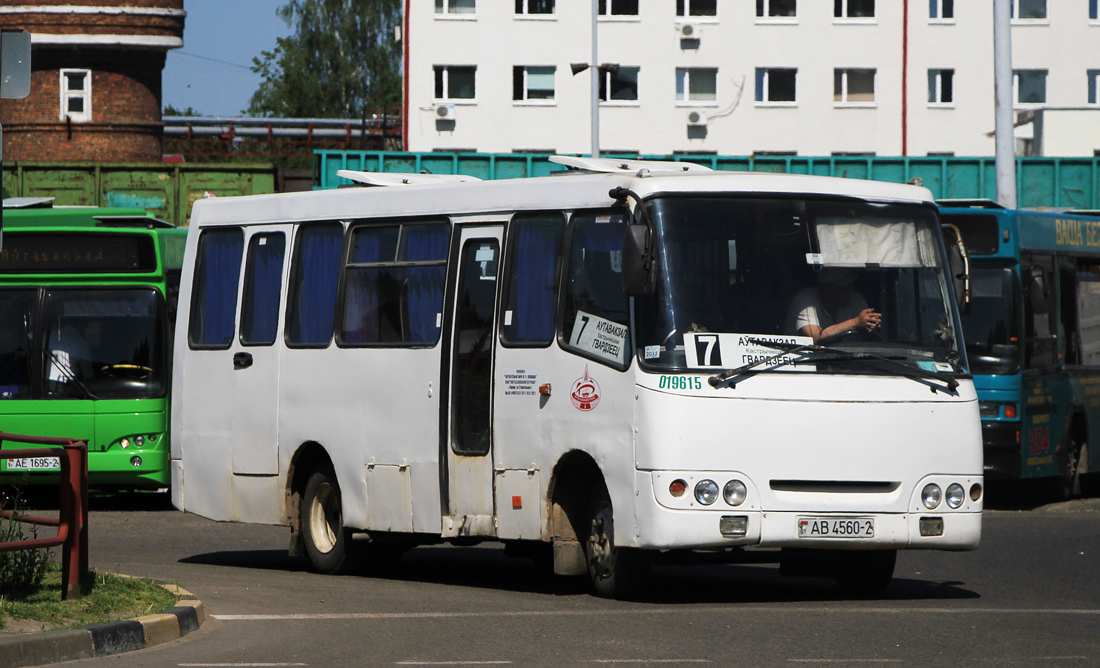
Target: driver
(831,307)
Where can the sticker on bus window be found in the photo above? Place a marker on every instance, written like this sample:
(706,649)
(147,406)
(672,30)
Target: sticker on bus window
(601,337)
(729,351)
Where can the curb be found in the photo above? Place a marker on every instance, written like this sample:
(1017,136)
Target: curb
(105,639)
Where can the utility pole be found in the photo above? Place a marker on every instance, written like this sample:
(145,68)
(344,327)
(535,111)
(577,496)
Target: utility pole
(1005,161)
(595,82)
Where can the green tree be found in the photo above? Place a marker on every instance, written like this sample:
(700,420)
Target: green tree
(342,60)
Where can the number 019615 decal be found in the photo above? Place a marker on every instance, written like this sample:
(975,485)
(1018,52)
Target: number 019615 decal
(836,527)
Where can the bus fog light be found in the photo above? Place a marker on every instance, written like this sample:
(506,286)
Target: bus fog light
(735,492)
(135,461)
(955,495)
(677,488)
(931,526)
(930,495)
(975,491)
(734,526)
(706,492)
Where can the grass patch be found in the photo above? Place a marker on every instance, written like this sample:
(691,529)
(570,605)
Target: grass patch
(106,597)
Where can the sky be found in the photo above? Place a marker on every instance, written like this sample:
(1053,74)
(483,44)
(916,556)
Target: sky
(220,37)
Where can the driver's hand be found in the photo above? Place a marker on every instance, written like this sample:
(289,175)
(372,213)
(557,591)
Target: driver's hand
(869,319)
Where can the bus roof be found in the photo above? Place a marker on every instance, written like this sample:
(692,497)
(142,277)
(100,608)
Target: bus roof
(579,190)
(80,216)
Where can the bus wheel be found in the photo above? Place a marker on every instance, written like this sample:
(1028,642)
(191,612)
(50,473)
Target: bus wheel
(615,572)
(327,543)
(1068,484)
(865,573)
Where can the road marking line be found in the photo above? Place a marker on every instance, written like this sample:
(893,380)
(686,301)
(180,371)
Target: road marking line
(844,660)
(650,661)
(453,663)
(577,613)
(239,665)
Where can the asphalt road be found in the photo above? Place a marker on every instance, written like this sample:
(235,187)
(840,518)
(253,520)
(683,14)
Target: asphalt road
(1030,596)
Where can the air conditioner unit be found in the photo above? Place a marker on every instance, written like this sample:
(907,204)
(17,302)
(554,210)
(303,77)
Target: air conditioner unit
(697,117)
(445,111)
(688,31)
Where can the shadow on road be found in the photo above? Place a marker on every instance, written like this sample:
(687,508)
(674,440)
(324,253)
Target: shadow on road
(489,568)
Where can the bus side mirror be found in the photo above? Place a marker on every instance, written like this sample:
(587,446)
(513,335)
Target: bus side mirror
(958,263)
(638,275)
(1037,291)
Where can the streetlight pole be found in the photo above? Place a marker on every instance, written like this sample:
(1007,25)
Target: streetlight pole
(595,100)
(1005,160)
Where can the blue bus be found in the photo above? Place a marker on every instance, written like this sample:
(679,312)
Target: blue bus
(1032,336)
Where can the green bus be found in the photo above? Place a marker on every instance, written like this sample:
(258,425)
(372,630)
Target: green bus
(87,304)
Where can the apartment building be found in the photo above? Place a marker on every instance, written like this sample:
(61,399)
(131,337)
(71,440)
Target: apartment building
(738,77)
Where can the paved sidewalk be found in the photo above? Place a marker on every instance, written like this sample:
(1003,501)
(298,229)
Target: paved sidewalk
(36,649)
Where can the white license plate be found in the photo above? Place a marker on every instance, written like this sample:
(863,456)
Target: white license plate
(34,464)
(836,527)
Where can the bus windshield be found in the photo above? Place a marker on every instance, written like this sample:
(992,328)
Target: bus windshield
(82,344)
(743,266)
(991,330)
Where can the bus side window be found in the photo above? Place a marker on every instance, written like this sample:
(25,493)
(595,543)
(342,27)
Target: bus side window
(534,249)
(1088,314)
(316,272)
(596,311)
(263,280)
(214,305)
(1040,312)
(393,284)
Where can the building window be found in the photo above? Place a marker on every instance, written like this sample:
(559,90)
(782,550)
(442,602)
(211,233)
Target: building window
(696,7)
(622,84)
(455,6)
(776,8)
(534,6)
(76,95)
(1094,86)
(1094,10)
(941,9)
(696,84)
(1029,9)
(774,84)
(1031,86)
(941,86)
(454,82)
(853,86)
(618,7)
(854,9)
(532,83)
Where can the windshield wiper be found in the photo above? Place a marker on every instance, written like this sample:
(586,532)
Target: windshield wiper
(916,374)
(725,378)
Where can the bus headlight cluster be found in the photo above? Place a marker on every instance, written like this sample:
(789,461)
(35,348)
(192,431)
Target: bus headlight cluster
(931,495)
(706,491)
(137,441)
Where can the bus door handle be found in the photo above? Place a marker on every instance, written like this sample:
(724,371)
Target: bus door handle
(242,360)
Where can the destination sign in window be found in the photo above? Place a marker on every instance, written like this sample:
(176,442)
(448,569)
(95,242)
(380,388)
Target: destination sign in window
(77,253)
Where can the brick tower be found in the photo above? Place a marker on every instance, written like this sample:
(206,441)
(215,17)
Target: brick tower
(96,79)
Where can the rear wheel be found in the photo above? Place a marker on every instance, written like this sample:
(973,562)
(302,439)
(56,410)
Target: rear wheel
(865,573)
(1072,467)
(328,544)
(615,572)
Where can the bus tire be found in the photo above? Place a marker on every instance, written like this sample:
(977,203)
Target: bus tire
(865,573)
(615,572)
(327,543)
(1068,482)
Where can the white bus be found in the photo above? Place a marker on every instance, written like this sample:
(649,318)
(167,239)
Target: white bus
(597,369)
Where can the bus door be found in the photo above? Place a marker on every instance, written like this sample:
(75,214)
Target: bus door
(255,363)
(468,493)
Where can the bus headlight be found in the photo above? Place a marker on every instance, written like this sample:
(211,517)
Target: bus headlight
(735,492)
(706,492)
(930,495)
(955,495)
(135,461)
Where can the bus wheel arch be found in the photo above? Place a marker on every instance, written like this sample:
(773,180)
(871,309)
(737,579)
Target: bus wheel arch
(568,498)
(1073,455)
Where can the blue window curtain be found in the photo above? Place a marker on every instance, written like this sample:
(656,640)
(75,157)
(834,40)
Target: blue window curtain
(263,286)
(425,243)
(317,270)
(214,307)
(536,243)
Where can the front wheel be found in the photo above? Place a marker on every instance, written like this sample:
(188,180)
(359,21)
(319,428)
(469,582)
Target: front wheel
(615,572)
(327,542)
(865,573)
